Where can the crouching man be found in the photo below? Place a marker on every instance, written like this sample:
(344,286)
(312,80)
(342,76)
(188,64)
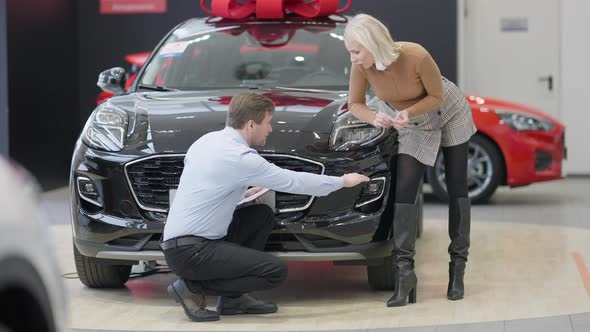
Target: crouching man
(214,248)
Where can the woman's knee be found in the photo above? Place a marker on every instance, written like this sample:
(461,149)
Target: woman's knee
(408,179)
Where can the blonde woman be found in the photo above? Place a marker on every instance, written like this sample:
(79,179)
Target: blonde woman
(432,113)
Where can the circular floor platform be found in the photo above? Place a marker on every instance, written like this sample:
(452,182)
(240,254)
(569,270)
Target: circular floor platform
(515,271)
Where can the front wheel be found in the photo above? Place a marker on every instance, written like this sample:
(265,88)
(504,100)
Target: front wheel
(96,274)
(484,171)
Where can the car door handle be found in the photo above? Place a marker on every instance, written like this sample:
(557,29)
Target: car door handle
(549,80)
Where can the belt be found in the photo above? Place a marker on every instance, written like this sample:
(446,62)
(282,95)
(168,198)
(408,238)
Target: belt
(182,241)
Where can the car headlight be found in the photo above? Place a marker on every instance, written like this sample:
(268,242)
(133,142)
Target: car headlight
(349,133)
(521,122)
(106,129)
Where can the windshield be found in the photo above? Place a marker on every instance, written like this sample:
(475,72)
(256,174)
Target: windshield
(277,55)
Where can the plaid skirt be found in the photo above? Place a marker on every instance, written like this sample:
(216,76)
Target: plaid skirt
(449,125)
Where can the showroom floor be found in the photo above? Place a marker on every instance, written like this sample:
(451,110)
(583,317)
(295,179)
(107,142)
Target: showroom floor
(528,271)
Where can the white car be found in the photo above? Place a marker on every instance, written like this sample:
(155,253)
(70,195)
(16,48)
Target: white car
(31,290)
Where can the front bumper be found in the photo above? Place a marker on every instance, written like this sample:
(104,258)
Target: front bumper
(350,253)
(331,228)
(533,156)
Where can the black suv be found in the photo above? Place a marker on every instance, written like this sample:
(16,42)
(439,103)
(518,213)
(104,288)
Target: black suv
(130,154)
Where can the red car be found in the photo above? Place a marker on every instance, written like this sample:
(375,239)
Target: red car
(515,145)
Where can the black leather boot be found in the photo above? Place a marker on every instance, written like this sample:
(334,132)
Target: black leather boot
(459,228)
(456,289)
(194,304)
(404,238)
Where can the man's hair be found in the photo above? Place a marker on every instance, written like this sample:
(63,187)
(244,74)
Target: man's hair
(374,36)
(248,106)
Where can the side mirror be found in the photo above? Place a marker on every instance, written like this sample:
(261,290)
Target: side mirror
(112,80)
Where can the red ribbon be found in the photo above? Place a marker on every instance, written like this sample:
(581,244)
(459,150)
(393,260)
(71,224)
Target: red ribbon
(276,35)
(269,9)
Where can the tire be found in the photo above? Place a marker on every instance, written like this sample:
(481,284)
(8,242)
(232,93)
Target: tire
(4,328)
(26,298)
(380,274)
(96,274)
(485,171)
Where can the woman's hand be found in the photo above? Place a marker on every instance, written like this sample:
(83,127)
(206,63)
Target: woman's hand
(401,119)
(383,120)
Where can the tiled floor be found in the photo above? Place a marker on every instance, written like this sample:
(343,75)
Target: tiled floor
(530,248)
(567,323)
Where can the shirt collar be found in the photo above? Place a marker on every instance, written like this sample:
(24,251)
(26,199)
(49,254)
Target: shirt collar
(235,135)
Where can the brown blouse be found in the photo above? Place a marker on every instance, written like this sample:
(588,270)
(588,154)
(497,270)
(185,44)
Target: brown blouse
(412,82)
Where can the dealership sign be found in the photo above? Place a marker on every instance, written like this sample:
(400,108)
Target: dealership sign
(108,7)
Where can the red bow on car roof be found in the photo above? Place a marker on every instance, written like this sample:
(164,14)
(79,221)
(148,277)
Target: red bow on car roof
(268,9)
(277,35)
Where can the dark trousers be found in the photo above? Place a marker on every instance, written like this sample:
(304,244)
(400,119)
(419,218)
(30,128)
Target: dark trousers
(236,264)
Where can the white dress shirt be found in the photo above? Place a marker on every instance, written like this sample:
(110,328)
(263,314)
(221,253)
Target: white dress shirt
(218,168)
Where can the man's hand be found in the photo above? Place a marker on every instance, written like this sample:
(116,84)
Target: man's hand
(383,120)
(252,191)
(353,179)
(401,119)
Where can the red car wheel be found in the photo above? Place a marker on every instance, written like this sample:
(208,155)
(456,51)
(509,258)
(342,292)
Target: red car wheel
(485,171)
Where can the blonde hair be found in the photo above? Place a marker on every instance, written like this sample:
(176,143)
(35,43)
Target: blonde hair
(374,36)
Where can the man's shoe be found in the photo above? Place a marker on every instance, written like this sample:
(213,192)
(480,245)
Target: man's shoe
(194,304)
(244,304)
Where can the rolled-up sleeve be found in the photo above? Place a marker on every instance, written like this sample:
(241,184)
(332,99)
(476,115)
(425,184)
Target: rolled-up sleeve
(357,86)
(261,173)
(357,103)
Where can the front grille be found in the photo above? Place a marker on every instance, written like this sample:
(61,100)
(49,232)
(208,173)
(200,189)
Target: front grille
(285,202)
(542,160)
(152,178)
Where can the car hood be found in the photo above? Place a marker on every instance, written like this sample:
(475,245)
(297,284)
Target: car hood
(172,121)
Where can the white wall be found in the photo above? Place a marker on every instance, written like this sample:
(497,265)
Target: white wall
(575,78)
(575,73)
